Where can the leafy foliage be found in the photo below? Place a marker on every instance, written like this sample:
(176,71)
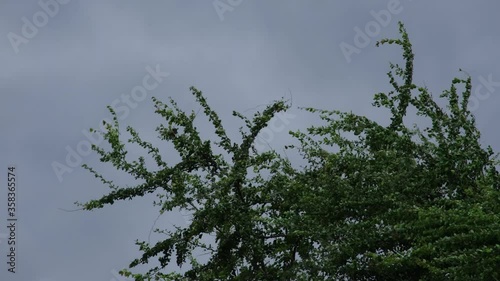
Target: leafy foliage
(394,203)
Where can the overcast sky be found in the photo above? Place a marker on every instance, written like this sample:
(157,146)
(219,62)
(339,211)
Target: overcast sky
(63,62)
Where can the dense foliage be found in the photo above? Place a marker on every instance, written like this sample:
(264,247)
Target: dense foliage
(390,203)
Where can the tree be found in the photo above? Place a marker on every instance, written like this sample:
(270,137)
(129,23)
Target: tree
(393,203)
(399,203)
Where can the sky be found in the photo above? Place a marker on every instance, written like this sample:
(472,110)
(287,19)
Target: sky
(64,61)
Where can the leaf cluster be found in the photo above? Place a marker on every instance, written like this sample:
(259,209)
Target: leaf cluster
(394,203)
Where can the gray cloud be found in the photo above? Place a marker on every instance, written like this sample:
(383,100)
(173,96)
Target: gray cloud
(92,52)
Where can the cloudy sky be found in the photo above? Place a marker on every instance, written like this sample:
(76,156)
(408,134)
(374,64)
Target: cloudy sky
(63,62)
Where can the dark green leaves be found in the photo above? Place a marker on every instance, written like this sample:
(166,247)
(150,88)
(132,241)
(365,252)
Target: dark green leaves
(373,202)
